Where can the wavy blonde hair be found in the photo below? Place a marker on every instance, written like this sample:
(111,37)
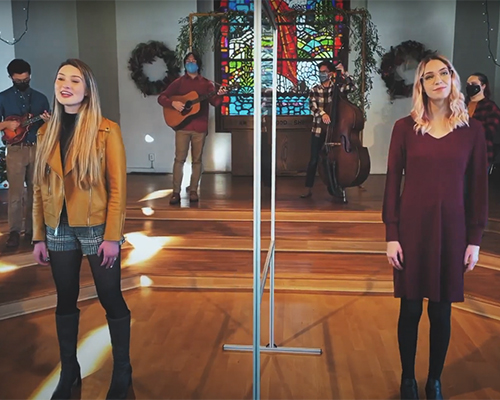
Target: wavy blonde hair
(456,101)
(85,157)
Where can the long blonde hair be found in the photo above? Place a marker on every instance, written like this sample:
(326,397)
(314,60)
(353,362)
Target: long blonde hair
(85,157)
(420,111)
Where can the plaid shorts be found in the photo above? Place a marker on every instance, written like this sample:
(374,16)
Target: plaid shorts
(66,238)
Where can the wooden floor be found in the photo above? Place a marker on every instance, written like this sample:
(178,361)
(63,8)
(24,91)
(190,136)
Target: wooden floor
(334,291)
(177,340)
(321,246)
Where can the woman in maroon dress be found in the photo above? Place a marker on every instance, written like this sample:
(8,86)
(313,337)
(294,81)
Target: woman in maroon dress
(433,234)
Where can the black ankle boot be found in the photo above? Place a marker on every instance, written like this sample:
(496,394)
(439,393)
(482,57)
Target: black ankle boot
(67,334)
(121,380)
(433,389)
(409,389)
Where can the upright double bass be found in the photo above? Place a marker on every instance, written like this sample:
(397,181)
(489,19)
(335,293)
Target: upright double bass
(344,162)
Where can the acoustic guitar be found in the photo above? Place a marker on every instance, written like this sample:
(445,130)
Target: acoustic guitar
(18,135)
(191,100)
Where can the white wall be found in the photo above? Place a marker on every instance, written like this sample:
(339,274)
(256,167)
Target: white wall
(429,22)
(51,39)
(138,22)
(7,52)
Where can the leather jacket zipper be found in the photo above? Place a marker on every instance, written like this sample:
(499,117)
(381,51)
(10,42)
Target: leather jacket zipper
(90,206)
(60,212)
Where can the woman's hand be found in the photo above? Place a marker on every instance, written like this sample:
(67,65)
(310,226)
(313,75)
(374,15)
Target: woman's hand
(40,253)
(471,257)
(395,255)
(109,249)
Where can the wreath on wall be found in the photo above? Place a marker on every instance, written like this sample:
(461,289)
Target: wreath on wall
(146,53)
(398,67)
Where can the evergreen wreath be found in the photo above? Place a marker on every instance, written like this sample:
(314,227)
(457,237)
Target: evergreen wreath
(146,53)
(406,52)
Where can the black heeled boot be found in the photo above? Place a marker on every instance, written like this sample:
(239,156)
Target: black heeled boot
(67,334)
(409,389)
(121,380)
(433,389)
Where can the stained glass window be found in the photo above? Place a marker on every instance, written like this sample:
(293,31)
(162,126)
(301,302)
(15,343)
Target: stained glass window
(300,48)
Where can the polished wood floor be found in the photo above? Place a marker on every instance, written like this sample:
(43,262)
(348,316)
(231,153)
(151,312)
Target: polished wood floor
(334,291)
(177,340)
(321,246)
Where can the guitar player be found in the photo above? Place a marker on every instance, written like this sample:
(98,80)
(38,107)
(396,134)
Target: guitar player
(195,128)
(19,100)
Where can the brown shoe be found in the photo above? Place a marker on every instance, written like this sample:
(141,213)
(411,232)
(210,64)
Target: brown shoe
(193,197)
(175,199)
(13,240)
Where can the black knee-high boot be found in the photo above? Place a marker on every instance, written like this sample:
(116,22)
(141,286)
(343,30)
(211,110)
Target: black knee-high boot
(67,334)
(121,380)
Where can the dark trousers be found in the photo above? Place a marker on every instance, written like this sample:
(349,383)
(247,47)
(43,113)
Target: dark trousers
(65,267)
(316,145)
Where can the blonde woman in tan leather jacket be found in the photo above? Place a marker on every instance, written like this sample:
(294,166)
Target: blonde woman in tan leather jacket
(79,209)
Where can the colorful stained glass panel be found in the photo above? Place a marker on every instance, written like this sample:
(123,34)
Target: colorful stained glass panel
(301,46)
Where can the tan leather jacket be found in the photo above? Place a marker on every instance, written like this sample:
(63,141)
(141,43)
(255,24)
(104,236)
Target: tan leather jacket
(101,204)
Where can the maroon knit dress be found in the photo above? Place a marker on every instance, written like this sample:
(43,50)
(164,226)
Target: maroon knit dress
(432,219)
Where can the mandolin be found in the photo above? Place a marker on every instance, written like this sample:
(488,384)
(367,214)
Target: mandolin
(191,100)
(18,135)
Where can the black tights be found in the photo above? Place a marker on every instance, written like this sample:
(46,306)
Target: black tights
(66,273)
(440,320)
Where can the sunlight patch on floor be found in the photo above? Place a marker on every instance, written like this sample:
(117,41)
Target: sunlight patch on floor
(145,247)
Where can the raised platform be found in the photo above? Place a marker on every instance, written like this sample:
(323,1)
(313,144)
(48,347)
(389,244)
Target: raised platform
(320,246)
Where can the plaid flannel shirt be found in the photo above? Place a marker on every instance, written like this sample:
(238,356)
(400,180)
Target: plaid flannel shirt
(320,96)
(489,114)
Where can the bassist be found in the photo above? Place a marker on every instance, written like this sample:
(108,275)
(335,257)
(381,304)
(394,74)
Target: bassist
(20,100)
(195,128)
(320,97)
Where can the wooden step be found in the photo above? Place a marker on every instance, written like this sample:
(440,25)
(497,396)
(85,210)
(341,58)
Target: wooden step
(33,281)
(284,229)
(174,213)
(146,246)
(144,243)
(493,225)
(31,288)
(483,283)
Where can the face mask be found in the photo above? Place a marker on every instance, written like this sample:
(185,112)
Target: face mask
(191,67)
(323,76)
(22,86)
(472,89)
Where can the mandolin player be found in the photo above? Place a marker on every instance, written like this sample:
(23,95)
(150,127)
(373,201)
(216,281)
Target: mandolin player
(21,101)
(320,96)
(195,128)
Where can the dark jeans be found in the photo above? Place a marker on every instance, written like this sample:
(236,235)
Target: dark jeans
(316,145)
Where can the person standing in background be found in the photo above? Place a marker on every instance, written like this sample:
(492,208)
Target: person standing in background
(19,100)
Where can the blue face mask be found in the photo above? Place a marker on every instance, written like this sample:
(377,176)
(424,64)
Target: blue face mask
(323,76)
(191,67)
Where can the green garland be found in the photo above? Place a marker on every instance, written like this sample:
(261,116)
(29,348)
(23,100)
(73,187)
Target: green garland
(205,27)
(146,53)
